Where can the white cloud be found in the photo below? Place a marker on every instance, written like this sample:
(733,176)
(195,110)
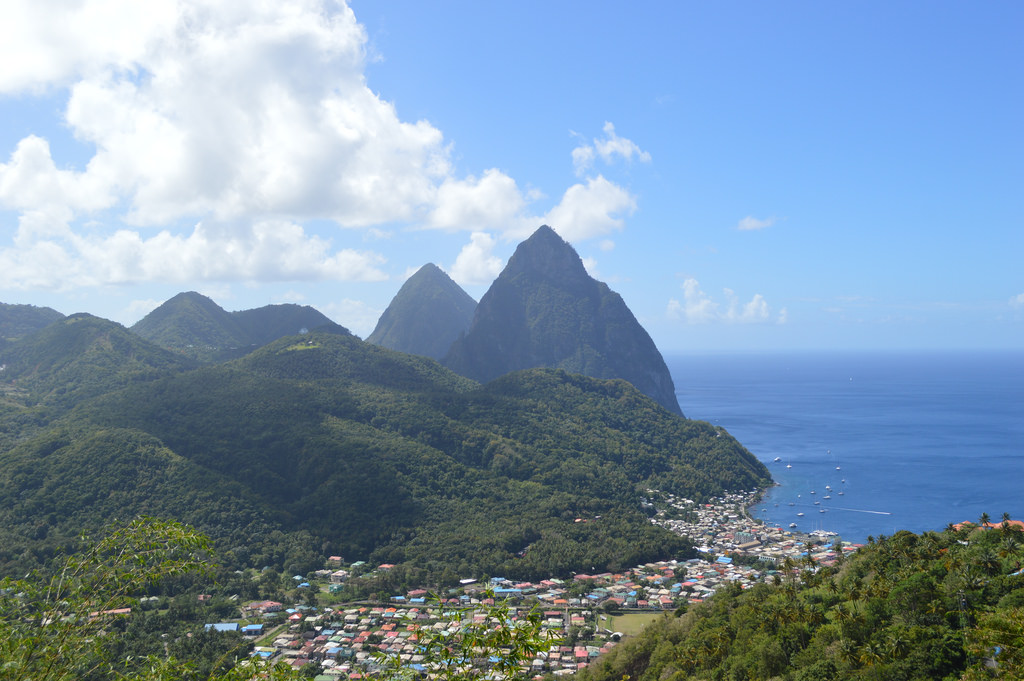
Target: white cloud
(751,223)
(697,307)
(591,209)
(234,110)
(491,202)
(1017,300)
(245,119)
(266,251)
(476,263)
(607,148)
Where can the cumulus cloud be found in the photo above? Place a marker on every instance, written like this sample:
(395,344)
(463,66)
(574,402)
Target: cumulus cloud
(592,209)
(246,119)
(750,223)
(476,262)
(607,148)
(490,202)
(1017,301)
(265,251)
(697,307)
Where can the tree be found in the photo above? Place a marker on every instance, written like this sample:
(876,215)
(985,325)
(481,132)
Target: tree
(57,626)
(500,641)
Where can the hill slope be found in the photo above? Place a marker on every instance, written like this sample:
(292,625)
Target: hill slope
(322,443)
(426,315)
(944,605)
(194,325)
(270,322)
(21,320)
(544,310)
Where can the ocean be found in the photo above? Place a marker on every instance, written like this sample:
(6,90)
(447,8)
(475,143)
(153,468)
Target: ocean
(896,441)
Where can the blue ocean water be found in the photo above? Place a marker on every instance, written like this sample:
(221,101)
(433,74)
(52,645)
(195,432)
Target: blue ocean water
(913,441)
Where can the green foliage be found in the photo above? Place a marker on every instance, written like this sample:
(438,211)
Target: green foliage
(497,642)
(21,320)
(322,444)
(426,315)
(905,607)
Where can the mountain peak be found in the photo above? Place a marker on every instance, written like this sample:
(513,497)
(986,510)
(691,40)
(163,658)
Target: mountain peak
(544,310)
(425,316)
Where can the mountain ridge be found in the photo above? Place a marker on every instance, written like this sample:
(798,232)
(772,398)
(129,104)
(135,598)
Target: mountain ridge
(545,310)
(426,315)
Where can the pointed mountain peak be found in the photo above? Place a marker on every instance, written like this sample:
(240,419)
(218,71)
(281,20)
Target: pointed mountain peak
(546,252)
(545,310)
(426,315)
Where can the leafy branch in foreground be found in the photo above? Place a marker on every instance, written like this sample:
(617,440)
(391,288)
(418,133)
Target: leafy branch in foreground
(58,627)
(477,641)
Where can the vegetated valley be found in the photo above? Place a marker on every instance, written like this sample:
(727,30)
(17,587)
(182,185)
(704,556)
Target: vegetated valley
(322,444)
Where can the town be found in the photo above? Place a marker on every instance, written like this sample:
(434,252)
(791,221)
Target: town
(581,613)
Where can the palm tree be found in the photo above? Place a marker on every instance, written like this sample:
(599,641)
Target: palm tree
(984,519)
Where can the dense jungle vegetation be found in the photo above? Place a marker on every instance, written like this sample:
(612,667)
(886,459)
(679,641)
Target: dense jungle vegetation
(946,605)
(321,444)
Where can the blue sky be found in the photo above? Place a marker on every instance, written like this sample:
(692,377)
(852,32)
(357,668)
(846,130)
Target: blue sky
(748,176)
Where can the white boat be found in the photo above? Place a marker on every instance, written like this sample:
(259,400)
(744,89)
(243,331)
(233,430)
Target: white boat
(822,510)
(828,488)
(812,491)
(789,465)
(792,524)
(841,492)
(777,459)
(817,503)
(827,496)
(800,514)
(791,503)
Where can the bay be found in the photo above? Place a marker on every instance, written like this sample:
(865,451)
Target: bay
(913,441)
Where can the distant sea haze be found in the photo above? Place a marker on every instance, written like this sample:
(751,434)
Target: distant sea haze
(913,441)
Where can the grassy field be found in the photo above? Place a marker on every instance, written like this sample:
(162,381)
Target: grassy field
(630,624)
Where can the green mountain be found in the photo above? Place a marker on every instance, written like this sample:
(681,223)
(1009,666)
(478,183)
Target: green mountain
(544,310)
(270,322)
(195,326)
(426,315)
(946,605)
(323,444)
(82,356)
(21,320)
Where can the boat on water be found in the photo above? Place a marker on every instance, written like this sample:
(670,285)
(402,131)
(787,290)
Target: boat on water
(792,524)
(841,492)
(812,491)
(822,510)
(817,503)
(777,459)
(800,514)
(791,503)
(789,465)
(827,496)
(828,488)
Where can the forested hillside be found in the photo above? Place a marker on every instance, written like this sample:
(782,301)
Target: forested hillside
(944,605)
(323,444)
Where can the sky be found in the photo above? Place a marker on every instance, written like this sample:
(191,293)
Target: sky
(749,176)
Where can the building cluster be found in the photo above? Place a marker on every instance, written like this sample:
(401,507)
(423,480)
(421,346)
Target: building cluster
(733,549)
(723,527)
(355,642)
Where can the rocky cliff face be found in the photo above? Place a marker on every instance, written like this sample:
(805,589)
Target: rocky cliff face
(544,310)
(426,315)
